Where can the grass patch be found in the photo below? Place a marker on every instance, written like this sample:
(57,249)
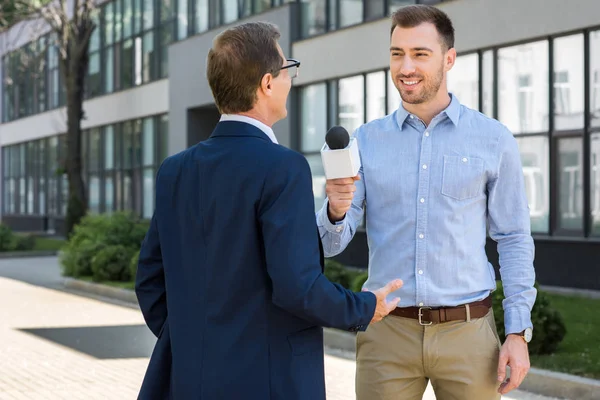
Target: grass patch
(122,285)
(48,244)
(579,352)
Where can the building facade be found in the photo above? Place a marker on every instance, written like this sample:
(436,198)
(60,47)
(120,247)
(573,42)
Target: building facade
(534,65)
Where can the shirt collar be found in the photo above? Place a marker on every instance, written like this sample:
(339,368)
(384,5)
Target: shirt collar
(242,118)
(452,112)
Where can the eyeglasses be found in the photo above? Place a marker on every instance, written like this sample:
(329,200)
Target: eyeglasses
(293,66)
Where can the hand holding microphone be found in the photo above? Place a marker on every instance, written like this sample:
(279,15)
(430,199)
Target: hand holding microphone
(341,162)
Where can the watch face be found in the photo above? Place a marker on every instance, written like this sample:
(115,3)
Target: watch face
(528,334)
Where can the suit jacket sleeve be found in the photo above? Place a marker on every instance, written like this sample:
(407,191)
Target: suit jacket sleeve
(150,286)
(286,213)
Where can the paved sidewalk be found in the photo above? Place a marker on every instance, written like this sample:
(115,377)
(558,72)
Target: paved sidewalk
(58,345)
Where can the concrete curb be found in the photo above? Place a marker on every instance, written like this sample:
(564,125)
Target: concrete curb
(543,382)
(27,254)
(99,289)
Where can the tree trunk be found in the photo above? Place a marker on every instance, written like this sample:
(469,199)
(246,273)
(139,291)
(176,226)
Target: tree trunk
(77,205)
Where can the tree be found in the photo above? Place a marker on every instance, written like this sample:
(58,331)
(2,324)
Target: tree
(72,26)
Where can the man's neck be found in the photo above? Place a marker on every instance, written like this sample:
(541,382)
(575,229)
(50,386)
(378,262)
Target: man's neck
(258,116)
(427,111)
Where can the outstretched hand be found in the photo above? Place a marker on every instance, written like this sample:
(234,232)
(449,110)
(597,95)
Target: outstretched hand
(384,307)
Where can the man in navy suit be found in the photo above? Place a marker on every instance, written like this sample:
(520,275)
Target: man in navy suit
(230,275)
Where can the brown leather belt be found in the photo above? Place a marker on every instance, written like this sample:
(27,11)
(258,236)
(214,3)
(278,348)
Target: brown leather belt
(429,315)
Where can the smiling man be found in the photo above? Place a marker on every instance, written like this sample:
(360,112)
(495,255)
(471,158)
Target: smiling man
(434,174)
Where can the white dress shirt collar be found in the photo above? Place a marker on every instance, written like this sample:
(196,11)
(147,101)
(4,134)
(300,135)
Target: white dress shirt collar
(242,118)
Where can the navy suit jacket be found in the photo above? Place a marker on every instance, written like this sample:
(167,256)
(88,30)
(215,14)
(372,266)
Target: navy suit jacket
(230,275)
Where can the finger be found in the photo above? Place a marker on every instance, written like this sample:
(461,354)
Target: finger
(502,361)
(393,286)
(510,385)
(517,375)
(356,178)
(392,304)
(341,188)
(340,181)
(503,386)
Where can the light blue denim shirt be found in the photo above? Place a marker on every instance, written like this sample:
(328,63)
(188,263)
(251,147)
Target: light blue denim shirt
(427,193)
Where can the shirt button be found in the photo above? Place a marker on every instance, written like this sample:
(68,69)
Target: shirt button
(424,166)
(421,236)
(420,272)
(421,304)
(464,159)
(338,229)
(426,133)
(422,200)
(412,117)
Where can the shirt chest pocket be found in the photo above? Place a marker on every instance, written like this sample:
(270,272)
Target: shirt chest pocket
(462,177)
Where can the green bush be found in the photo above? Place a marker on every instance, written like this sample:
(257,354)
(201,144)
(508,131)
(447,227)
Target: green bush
(111,263)
(349,278)
(97,232)
(133,264)
(548,326)
(358,281)
(11,242)
(23,243)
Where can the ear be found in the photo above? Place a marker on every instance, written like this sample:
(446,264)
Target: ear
(266,84)
(450,59)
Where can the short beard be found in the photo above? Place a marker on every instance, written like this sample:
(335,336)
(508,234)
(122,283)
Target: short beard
(429,91)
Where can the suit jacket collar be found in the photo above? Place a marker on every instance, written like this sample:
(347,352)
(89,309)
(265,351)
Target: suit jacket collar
(238,129)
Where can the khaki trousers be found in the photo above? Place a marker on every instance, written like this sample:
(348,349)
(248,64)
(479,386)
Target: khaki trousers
(396,357)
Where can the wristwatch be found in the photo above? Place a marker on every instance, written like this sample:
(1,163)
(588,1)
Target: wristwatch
(526,334)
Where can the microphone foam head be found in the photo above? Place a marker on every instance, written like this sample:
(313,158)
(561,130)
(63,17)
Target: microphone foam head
(337,137)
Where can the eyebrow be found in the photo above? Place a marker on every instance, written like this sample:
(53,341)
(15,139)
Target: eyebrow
(413,49)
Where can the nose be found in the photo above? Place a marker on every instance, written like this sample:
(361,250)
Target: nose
(407,67)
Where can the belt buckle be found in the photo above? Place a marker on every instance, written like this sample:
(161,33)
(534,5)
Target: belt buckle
(421,316)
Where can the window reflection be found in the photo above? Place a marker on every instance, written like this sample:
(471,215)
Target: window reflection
(523,87)
(463,80)
(568,82)
(536,172)
(570,184)
(318,179)
(313,117)
(488,83)
(313,17)
(376,107)
(595,78)
(393,94)
(595,182)
(351,12)
(351,103)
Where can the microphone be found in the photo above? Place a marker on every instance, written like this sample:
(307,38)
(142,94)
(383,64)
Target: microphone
(339,154)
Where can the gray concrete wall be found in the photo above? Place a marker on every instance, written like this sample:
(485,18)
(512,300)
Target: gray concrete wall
(188,87)
(478,24)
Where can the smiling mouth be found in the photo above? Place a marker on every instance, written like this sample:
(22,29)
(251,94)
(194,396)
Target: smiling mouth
(410,83)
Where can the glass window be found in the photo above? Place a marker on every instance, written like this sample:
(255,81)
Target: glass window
(108,70)
(568,83)
(313,17)
(127,144)
(313,117)
(148,193)
(94,78)
(595,78)
(94,190)
(351,113)
(376,107)
(108,23)
(394,99)
(261,5)
(463,80)
(536,171)
(148,142)
(201,16)
(137,16)
(118,20)
(127,64)
(127,18)
(374,9)
(42,160)
(136,144)
(523,87)
(230,11)
(148,57)
(570,184)
(166,37)
(94,148)
(396,4)
(109,193)
(163,142)
(167,10)
(318,179)
(488,83)
(182,19)
(351,12)
(148,14)
(595,182)
(109,147)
